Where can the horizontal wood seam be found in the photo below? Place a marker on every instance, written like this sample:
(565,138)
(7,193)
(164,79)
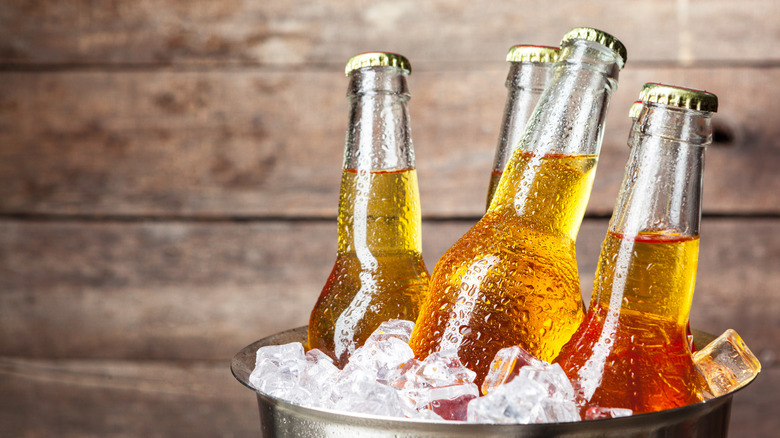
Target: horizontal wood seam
(139,218)
(241,66)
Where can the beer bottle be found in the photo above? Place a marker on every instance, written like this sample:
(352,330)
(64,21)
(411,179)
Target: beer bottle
(633,114)
(530,70)
(632,350)
(512,278)
(379,272)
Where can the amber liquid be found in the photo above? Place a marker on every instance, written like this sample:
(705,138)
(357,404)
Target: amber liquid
(495,177)
(512,278)
(632,350)
(379,272)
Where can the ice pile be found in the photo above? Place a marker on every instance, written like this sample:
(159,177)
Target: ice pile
(381,378)
(726,363)
(539,393)
(384,378)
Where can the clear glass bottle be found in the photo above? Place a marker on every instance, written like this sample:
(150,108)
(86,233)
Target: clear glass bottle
(379,272)
(633,114)
(512,278)
(530,71)
(632,350)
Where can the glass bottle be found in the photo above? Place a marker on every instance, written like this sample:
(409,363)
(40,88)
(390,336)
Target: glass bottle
(633,114)
(530,70)
(632,350)
(379,272)
(512,278)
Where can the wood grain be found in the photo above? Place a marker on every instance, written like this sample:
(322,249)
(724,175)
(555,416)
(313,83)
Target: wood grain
(753,408)
(270,144)
(169,177)
(123,399)
(174,291)
(291,33)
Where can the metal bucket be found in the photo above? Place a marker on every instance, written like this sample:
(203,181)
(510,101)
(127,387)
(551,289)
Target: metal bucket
(708,419)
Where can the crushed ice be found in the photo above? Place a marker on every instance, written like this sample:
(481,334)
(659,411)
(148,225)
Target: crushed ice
(383,378)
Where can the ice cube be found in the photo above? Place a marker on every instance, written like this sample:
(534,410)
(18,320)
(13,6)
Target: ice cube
(551,377)
(726,363)
(318,378)
(278,369)
(280,354)
(440,384)
(443,369)
(597,412)
(269,379)
(559,411)
(451,402)
(404,375)
(382,358)
(393,328)
(518,401)
(317,357)
(357,391)
(505,366)
(489,409)
(537,394)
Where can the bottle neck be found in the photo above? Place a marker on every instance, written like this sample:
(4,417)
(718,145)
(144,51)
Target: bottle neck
(379,134)
(379,205)
(569,117)
(662,186)
(548,180)
(649,258)
(525,83)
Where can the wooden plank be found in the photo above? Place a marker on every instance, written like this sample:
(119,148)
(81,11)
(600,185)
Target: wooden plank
(44,398)
(161,290)
(437,33)
(123,399)
(754,408)
(156,290)
(734,287)
(266,143)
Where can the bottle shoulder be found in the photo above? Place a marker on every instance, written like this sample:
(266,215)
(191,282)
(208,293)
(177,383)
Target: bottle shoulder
(507,242)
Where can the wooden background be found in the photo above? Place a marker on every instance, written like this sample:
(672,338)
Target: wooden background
(169,173)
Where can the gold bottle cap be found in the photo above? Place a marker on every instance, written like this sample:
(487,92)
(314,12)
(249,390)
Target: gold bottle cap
(679,96)
(635,109)
(372,59)
(525,53)
(595,35)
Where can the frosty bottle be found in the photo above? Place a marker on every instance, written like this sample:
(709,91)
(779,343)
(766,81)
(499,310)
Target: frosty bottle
(379,272)
(633,114)
(529,72)
(632,351)
(512,278)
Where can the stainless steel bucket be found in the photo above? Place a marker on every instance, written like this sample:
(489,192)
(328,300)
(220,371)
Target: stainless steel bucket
(278,418)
